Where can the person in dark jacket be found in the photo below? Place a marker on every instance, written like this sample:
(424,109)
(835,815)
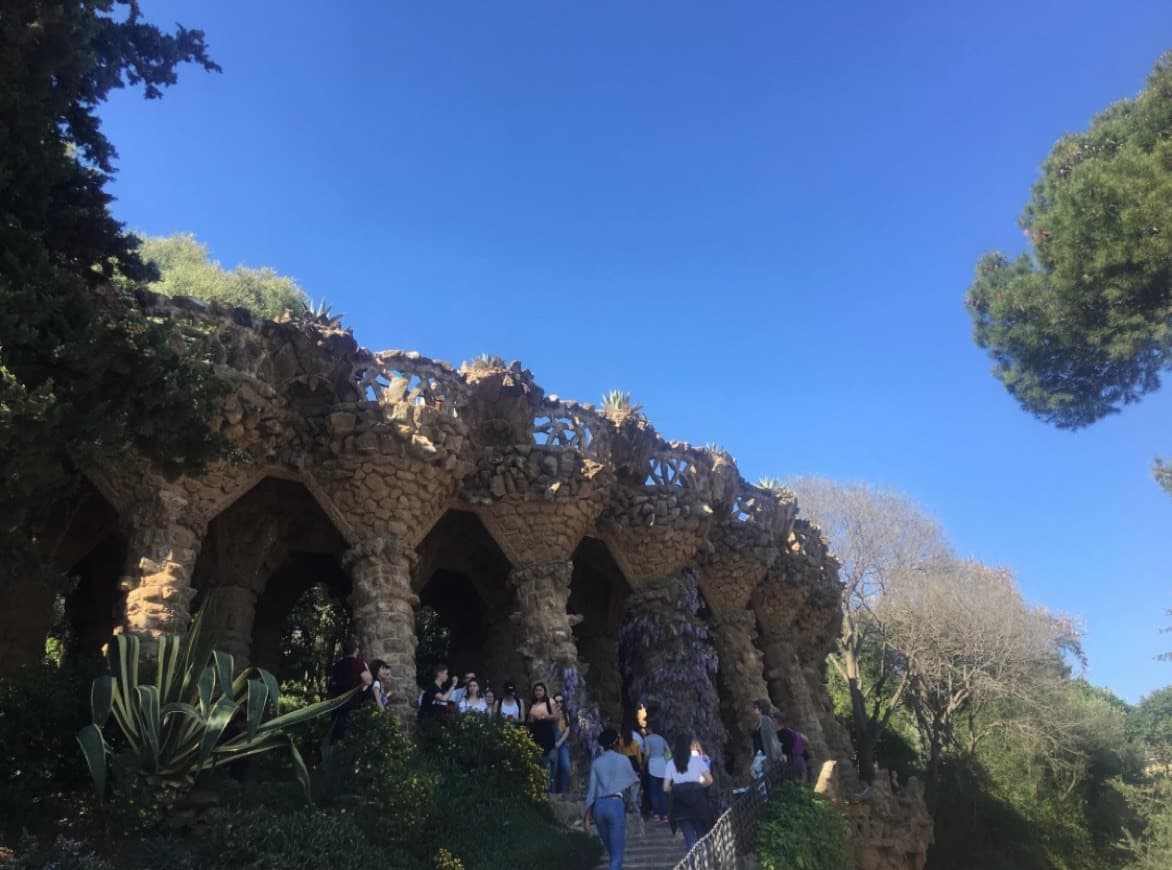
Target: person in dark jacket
(686,780)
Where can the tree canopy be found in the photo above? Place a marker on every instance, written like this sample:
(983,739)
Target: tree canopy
(1084,325)
(82,374)
(186,268)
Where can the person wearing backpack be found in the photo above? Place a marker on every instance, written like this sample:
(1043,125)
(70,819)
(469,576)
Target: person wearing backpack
(793,746)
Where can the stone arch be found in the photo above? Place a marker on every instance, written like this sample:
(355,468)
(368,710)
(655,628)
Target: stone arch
(462,573)
(276,534)
(295,578)
(598,597)
(82,538)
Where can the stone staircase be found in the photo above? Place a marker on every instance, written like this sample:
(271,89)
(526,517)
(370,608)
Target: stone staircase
(649,847)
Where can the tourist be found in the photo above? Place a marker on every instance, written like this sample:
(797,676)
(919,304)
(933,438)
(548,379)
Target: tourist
(631,745)
(348,674)
(793,747)
(765,741)
(472,701)
(657,753)
(490,701)
(543,716)
(510,708)
(461,688)
(610,777)
(380,688)
(562,773)
(434,704)
(687,781)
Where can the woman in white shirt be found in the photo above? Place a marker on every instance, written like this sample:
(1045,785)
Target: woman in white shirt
(686,779)
(472,701)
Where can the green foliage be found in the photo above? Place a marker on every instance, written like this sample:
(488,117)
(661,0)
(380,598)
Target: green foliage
(618,402)
(186,268)
(1084,326)
(433,645)
(488,747)
(63,853)
(372,770)
(314,630)
(801,831)
(1150,724)
(193,716)
(82,375)
(259,838)
(41,707)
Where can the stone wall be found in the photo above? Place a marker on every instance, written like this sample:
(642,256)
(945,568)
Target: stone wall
(382,446)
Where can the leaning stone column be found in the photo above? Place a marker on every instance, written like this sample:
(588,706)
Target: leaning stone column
(384,611)
(742,677)
(164,540)
(547,631)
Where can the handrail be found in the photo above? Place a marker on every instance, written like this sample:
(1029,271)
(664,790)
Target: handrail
(732,837)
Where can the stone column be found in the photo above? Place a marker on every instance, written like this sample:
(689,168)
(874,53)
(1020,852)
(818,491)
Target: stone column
(384,611)
(164,539)
(26,616)
(546,630)
(668,654)
(742,678)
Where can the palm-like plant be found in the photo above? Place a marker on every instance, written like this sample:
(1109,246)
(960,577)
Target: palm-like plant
(616,400)
(177,725)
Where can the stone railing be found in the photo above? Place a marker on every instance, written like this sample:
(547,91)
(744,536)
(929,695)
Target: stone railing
(396,377)
(568,425)
(677,467)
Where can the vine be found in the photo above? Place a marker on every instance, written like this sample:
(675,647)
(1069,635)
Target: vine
(670,664)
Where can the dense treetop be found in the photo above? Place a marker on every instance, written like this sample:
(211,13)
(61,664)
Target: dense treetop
(81,374)
(1083,326)
(186,269)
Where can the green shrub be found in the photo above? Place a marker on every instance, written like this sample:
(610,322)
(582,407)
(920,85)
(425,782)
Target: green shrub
(801,831)
(486,826)
(372,770)
(306,839)
(41,708)
(487,746)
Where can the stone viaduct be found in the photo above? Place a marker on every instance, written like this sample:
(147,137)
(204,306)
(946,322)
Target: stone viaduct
(529,520)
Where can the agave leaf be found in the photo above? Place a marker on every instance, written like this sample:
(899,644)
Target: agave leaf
(101,697)
(128,649)
(304,714)
(148,717)
(196,652)
(258,697)
(274,689)
(221,715)
(206,687)
(299,769)
(168,669)
(224,668)
(93,747)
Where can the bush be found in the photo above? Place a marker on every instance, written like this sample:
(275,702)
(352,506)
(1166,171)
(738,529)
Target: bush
(41,708)
(307,839)
(801,830)
(487,746)
(372,770)
(487,827)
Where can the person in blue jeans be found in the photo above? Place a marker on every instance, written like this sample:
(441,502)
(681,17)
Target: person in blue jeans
(610,776)
(656,751)
(561,783)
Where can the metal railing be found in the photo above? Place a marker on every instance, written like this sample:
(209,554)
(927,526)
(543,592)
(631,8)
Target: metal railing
(733,836)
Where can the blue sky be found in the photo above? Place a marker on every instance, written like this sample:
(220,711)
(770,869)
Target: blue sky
(761,222)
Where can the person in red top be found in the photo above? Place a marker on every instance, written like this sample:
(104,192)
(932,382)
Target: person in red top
(349,672)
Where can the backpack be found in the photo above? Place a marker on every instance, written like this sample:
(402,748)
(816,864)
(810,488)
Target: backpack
(800,744)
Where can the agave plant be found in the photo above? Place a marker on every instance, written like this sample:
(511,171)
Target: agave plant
(616,400)
(178,725)
(770,483)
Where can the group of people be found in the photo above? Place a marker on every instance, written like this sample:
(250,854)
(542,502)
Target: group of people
(675,776)
(776,741)
(545,715)
(447,696)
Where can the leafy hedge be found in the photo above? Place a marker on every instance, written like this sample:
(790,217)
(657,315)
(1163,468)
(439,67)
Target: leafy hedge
(801,831)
